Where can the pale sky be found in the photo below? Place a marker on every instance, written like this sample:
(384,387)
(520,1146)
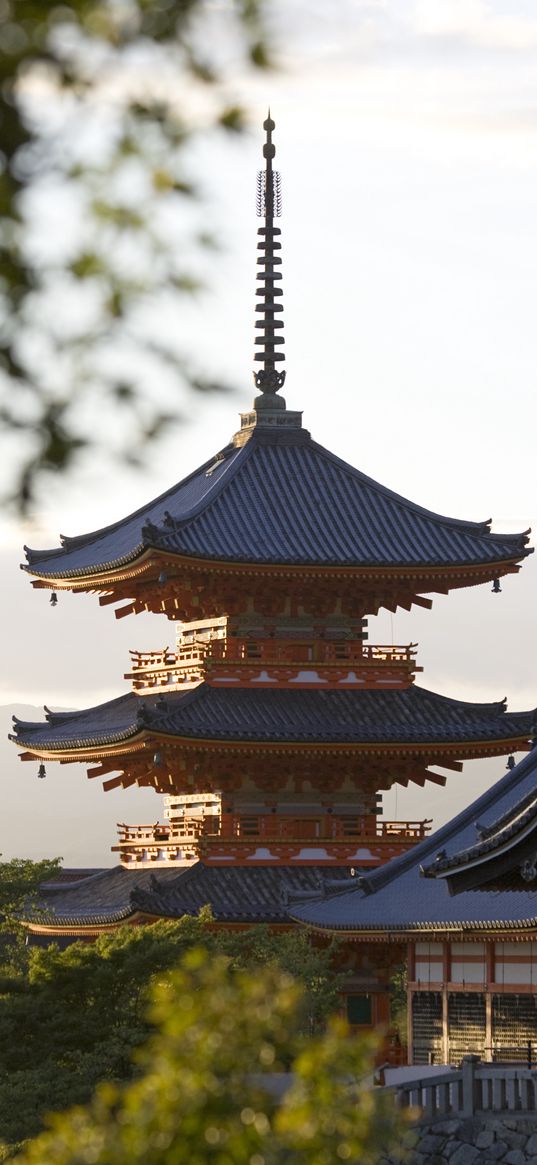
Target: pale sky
(407,141)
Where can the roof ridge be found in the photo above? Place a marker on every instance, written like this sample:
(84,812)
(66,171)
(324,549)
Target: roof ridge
(520,807)
(222,481)
(58,717)
(184,698)
(71,543)
(509,827)
(388,873)
(481,704)
(89,879)
(481,528)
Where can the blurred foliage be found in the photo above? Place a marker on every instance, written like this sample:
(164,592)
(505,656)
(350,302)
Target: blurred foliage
(72,1018)
(203,1097)
(100,215)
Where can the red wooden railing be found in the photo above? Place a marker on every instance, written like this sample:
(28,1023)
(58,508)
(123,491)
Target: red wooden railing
(273,827)
(193,660)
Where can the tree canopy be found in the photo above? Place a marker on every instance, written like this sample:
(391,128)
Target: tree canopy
(73,1017)
(204,1093)
(20,880)
(100,223)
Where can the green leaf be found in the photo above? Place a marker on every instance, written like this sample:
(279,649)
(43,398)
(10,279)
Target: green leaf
(87,265)
(233,119)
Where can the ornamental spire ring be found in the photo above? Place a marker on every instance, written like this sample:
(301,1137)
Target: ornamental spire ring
(269,307)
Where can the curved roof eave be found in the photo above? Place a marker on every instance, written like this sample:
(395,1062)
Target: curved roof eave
(199,498)
(500,838)
(68,543)
(347,718)
(408,929)
(396,897)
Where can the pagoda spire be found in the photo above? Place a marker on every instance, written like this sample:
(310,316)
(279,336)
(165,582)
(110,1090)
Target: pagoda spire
(267,378)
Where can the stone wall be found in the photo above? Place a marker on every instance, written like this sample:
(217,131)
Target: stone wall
(486,1140)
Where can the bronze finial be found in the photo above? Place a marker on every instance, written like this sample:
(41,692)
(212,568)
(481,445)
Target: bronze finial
(268,379)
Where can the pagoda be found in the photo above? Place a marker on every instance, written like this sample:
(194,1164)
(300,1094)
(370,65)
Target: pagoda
(273,727)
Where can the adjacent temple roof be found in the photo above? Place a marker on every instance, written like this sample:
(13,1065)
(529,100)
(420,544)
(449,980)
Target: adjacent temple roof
(100,898)
(410,716)
(504,855)
(237,894)
(399,898)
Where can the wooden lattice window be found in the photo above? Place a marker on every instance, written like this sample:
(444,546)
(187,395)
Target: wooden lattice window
(514,1026)
(466,1023)
(427,1026)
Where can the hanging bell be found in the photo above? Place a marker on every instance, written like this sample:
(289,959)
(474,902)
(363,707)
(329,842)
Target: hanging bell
(157,760)
(41,772)
(496,588)
(511,762)
(53,599)
(163,577)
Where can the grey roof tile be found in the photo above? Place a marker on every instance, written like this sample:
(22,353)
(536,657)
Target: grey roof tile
(412,715)
(237,894)
(104,896)
(397,897)
(282,498)
(518,823)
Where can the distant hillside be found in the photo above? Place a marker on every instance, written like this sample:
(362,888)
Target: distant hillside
(64,815)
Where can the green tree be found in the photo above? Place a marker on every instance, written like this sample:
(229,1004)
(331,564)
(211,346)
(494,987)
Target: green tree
(399,1000)
(296,952)
(20,879)
(204,1091)
(19,883)
(100,102)
(77,1015)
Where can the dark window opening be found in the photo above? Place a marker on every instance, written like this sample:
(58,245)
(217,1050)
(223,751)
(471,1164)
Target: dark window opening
(359,1009)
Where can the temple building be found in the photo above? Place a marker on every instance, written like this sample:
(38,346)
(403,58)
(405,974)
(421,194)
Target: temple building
(272,727)
(462,907)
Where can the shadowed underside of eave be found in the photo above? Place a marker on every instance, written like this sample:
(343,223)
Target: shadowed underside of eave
(209,726)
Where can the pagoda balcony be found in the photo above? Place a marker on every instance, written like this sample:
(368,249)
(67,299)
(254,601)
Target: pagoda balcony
(282,838)
(275,663)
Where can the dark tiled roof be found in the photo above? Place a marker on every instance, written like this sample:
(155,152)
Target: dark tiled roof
(413,715)
(282,498)
(101,898)
(518,824)
(69,875)
(397,897)
(107,723)
(237,894)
